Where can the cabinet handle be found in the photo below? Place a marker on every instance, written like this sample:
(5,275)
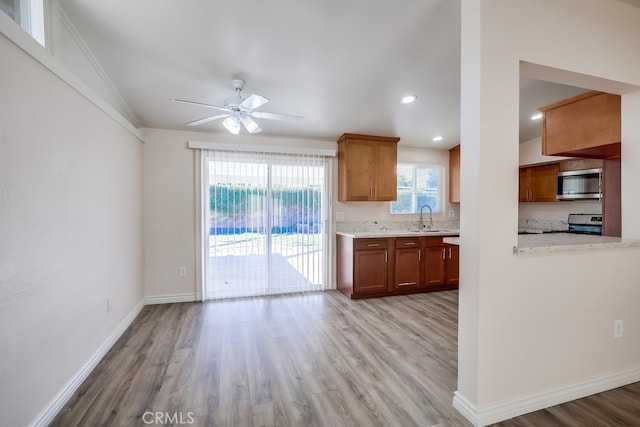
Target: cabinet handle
(444,253)
(409,243)
(449,253)
(385,257)
(373,245)
(419,255)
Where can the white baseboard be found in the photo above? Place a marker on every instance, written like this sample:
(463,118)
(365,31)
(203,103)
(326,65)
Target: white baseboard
(55,405)
(466,408)
(168,299)
(491,414)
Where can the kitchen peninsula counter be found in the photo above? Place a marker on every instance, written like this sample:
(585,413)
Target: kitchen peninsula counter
(561,242)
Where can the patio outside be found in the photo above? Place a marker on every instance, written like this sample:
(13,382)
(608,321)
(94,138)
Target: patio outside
(238,264)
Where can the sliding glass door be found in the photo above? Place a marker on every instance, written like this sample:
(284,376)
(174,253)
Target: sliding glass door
(265,217)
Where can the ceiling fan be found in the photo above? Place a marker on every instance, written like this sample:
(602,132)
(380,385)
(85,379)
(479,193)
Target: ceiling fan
(240,111)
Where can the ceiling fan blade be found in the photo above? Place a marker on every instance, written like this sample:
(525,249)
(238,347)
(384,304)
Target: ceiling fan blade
(215,107)
(208,119)
(275,116)
(250,124)
(253,102)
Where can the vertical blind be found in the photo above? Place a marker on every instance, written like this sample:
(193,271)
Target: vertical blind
(265,222)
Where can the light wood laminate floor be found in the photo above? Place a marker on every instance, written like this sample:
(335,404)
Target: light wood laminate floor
(300,360)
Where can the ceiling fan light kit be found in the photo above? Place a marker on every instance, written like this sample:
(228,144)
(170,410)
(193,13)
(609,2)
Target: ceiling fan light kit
(232,124)
(238,111)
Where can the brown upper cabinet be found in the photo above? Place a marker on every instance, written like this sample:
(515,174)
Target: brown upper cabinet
(454,174)
(539,183)
(367,167)
(587,125)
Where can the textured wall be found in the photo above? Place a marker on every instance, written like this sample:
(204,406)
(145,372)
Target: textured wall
(70,232)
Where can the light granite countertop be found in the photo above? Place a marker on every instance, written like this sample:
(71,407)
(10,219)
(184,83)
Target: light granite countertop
(452,240)
(556,242)
(527,243)
(398,233)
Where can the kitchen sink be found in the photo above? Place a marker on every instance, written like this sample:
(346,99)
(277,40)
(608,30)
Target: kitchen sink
(432,230)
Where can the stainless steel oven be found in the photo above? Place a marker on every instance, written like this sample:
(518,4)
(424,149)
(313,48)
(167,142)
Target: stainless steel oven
(582,184)
(585,224)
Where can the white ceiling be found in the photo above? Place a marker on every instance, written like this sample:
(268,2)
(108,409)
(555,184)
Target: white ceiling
(343,65)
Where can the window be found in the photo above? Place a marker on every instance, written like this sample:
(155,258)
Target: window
(418,184)
(29,14)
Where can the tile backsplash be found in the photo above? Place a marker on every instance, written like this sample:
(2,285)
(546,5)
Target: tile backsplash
(543,224)
(528,224)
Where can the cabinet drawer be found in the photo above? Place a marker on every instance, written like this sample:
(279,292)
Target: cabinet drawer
(364,244)
(432,241)
(407,242)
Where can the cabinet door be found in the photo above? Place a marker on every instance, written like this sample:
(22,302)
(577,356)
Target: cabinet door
(370,271)
(434,266)
(587,123)
(453,264)
(611,200)
(539,183)
(360,170)
(525,184)
(544,183)
(385,183)
(454,174)
(407,271)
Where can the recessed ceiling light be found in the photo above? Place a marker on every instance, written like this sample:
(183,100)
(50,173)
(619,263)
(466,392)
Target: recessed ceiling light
(437,138)
(409,99)
(536,116)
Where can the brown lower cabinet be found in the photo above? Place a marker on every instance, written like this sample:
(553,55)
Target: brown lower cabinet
(374,267)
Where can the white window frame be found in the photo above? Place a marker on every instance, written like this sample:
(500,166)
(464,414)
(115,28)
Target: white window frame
(439,191)
(30,17)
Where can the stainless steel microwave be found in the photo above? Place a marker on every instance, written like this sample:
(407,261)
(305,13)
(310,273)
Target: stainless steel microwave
(582,184)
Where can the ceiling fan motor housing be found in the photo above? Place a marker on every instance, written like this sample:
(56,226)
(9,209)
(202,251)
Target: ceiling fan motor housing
(233,103)
(238,84)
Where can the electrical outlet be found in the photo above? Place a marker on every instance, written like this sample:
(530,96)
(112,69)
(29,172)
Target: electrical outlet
(183,271)
(109,305)
(452,213)
(339,216)
(617,329)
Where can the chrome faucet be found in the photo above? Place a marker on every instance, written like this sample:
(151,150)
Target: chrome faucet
(430,226)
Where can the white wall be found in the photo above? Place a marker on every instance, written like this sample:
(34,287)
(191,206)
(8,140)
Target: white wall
(530,153)
(537,329)
(71,233)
